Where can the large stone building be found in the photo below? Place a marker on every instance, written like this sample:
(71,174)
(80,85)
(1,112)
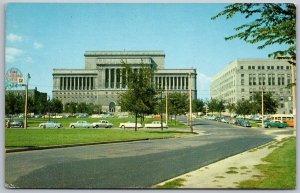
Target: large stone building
(101,81)
(242,77)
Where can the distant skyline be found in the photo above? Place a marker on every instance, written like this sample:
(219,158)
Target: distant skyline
(40,37)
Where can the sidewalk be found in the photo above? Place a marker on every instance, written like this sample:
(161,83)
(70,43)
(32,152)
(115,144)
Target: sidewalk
(229,172)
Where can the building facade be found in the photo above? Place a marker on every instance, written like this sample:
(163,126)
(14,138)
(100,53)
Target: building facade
(242,77)
(102,79)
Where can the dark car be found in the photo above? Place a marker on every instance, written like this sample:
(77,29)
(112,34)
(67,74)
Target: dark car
(275,124)
(246,124)
(238,122)
(16,124)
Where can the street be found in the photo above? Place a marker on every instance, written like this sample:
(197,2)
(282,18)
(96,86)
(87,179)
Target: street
(132,164)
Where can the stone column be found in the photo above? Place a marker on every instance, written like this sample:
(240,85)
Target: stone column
(67,83)
(109,77)
(115,78)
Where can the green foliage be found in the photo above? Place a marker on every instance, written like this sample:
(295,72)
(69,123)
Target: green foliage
(270,104)
(173,184)
(216,105)
(14,104)
(273,23)
(139,98)
(50,137)
(198,105)
(231,107)
(244,107)
(178,103)
(55,106)
(71,107)
(279,172)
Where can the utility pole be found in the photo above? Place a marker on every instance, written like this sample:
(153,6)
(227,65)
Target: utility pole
(26,101)
(166,106)
(262,107)
(191,126)
(161,118)
(294,95)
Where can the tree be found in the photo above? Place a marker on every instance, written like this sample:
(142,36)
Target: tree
(56,106)
(14,104)
(216,105)
(212,105)
(244,107)
(198,105)
(139,99)
(220,107)
(272,24)
(230,107)
(71,107)
(178,104)
(270,104)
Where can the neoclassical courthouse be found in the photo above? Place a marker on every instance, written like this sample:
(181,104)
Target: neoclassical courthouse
(101,80)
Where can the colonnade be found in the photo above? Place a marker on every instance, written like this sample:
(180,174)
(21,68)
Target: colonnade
(77,83)
(172,82)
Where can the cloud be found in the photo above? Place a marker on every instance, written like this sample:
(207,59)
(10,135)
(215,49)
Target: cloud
(37,45)
(11,54)
(14,38)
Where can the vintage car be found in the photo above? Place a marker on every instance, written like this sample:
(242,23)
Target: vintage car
(50,124)
(129,125)
(278,124)
(102,123)
(81,124)
(15,124)
(155,124)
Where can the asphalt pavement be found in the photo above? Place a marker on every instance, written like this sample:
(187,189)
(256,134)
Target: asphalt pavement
(140,164)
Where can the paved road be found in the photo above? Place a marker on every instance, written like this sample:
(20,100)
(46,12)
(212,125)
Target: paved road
(129,165)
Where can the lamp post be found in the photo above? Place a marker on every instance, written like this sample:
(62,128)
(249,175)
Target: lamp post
(161,118)
(190,84)
(26,101)
(166,106)
(262,107)
(49,108)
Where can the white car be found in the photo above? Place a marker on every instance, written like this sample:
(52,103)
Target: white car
(156,124)
(50,124)
(82,124)
(129,125)
(102,123)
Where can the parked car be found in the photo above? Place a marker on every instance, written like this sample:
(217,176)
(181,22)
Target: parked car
(82,116)
(245,124)
(156,124)
(238,122)
(51,124)
(102,123)
(108,116)
(275,124)
(129,125)
(81,124)
(15,124)
(225,120)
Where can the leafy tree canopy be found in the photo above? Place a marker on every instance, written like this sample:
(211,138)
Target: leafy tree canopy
(271,24)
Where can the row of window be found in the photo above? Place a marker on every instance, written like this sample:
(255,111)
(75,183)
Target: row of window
(266,67)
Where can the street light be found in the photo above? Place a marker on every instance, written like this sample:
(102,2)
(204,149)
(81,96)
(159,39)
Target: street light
(26,101)
(190,84)
(49,108)
(262,107)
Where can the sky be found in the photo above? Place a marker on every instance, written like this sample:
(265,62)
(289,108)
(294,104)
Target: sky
(43,36)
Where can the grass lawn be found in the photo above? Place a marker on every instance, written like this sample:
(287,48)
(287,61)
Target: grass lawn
(47,137)
(280,173)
